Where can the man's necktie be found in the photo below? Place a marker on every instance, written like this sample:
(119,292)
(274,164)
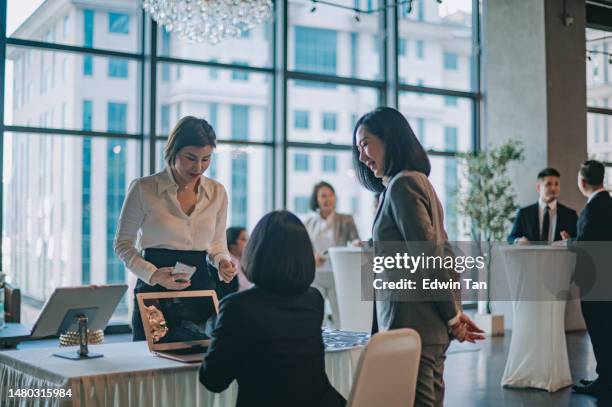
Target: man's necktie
(545,224)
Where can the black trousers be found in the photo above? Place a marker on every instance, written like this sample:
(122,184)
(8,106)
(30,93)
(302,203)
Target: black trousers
(597,317)
(204,278)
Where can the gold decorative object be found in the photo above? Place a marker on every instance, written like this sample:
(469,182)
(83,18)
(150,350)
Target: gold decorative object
(157,322)
(71,338)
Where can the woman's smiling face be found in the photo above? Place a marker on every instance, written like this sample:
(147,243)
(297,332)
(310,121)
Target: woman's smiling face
(371,151)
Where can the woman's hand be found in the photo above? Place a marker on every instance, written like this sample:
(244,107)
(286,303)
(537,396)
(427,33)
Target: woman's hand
(319,260)
(227,271)
(356,243)
(164,277)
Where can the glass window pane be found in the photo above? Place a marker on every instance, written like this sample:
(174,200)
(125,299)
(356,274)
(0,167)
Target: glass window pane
(239,110)
(253,49)
(314,122)
(300,119)
(329,163)
(599,137)
(599,68)
(118,23)
(351,198)
(77,24)
(117,68)
(47,89)
(331,41)
(438,40)
(62,198)
(329,121)
(436,124)
(446,177)
(599,94)
(241,170)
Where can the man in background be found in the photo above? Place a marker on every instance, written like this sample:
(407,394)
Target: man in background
(595,225)
(547,219)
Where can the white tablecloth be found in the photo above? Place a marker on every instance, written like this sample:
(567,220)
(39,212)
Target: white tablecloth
(128,375)
(324,282)
(538,352)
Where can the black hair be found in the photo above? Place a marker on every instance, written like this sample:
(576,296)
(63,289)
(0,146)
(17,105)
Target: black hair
(403,151)
(279,257)
(314,204)
(232,234)
(592,172)
(548,172)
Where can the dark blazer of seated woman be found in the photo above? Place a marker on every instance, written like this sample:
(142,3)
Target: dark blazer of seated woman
(268,338)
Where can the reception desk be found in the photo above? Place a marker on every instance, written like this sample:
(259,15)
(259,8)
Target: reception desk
(539,280)
(128,375)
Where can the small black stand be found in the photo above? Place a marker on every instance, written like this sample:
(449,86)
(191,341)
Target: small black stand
(83,352)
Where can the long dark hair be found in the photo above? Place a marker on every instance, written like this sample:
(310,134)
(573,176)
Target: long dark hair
(279,257)
(403,151)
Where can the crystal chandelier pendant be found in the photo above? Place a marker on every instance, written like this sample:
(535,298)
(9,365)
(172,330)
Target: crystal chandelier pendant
(208,20)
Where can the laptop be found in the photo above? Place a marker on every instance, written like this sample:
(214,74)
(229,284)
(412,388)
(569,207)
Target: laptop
(178,324)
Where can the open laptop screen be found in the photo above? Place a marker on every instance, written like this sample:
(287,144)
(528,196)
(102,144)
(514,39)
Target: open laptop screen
(173,320)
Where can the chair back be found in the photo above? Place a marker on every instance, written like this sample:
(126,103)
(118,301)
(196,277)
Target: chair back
(387,370)
(355,314)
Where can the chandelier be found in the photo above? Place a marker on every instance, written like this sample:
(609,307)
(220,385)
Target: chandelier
(208,20)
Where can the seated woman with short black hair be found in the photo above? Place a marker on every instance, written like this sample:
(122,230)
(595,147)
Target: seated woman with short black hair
(268,337)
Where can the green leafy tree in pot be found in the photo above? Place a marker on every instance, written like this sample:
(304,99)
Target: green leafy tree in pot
(489,202)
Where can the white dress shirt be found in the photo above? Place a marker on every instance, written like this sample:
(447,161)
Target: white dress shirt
(243,282)
(152,217)
(552,213)
(322,232)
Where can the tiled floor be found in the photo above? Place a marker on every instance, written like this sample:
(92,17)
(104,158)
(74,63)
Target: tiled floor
(473,375)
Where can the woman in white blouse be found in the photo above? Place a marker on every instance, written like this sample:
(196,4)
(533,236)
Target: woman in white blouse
(176,215)
(326,227)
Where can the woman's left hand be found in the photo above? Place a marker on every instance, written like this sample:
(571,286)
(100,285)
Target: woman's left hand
(227,271)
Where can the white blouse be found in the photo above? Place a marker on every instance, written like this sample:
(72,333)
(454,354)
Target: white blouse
(152,217)
(322,232)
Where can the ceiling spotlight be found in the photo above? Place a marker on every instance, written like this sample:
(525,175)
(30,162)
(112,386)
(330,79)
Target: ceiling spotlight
(589,57)
(314,7)
(357,19)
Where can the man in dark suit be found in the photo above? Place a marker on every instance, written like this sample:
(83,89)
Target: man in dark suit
(595,225)
(545,220)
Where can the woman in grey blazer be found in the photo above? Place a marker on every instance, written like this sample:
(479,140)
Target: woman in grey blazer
(326,227)
(388,158)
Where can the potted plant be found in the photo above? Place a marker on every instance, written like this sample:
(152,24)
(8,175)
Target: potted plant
(488,204)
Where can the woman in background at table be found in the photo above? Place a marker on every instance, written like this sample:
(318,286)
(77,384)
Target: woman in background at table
(326,227)
(388,158)
(237,238)
(268,338)
(178,215)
